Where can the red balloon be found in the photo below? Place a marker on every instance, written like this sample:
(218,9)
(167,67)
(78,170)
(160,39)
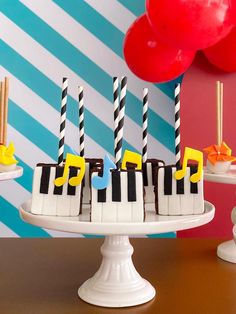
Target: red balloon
(150,59)
(191,24)
(223,54)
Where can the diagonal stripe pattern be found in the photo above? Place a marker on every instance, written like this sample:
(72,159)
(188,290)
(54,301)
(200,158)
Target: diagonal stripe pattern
(81,40)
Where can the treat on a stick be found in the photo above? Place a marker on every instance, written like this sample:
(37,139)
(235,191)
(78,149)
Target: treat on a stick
(7,160)
(219,156)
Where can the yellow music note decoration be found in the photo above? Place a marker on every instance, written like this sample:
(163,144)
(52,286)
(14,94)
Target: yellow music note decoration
(133,158)
(72,161)
(191,154)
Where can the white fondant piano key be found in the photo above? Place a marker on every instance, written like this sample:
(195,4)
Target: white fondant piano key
(109,208)
(75,201)
(149,190)
(186,199)
(174,199)
(124,207)
(198,199)
(138,206)
(149,173)
(50,200)
(96,207)
(163,202)
(63,203)
(86,188)
(149,194)
(37,198)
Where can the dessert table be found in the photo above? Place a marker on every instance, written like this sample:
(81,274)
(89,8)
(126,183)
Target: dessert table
(42,276)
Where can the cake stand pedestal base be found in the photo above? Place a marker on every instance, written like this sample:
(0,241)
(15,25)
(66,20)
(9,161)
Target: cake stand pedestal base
(227,251)
(116,283)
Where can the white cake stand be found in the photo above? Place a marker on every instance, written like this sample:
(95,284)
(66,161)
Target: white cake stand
(226,250)
(9,175)
(117,283)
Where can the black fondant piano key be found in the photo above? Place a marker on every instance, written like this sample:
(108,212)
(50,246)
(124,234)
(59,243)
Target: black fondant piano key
(59,173)
(101,193)
(179,184)
(145,176)
(131,186)
(168,180)
(73,173)
(44,183)
(102,196)
(153,173)
(116,188)
(193,186)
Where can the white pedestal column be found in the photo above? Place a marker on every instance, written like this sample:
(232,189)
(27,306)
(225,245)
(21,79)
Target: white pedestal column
(116,283)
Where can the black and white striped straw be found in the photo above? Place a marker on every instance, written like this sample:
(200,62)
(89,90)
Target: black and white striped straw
(62,121)
(118,150)
(116,109)
(81,121)
(177,125)
(145,123)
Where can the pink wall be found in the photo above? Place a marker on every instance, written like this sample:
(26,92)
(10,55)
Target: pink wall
(198,130)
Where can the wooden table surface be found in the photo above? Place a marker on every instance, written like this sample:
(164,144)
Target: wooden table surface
(42,276)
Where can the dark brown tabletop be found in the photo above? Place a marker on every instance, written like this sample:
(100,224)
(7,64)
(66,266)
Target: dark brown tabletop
(43,275)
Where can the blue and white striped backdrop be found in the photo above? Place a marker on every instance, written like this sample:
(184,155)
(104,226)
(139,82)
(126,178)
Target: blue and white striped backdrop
(42,41)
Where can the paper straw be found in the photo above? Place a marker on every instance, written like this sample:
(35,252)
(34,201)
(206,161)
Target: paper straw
(116,109)
(81,120)
(145,123)
(177,125)
(6,81)
(62,121)
(2,110)
(118,150)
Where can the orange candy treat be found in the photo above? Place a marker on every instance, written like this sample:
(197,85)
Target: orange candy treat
(219,153)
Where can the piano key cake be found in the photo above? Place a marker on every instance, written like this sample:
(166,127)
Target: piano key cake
(179,191)
(149,169)
(121,201)
(52,200)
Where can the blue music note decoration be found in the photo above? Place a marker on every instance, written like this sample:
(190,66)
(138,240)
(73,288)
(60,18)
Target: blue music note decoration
(101,183)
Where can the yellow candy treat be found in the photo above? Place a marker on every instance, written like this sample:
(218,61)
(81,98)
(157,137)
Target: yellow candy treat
(7,155)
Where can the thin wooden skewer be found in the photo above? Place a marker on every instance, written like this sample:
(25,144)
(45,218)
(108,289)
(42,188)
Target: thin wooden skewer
(6,81)
(1,113)
(221,110)
(218,112)
(2,109)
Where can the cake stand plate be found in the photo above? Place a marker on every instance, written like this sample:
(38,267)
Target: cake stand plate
(227,178)
(11,174)
(117,283)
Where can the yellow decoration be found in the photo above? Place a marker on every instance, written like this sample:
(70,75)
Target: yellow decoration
(7,155)
(72,161)
(133,158)
(191,154)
